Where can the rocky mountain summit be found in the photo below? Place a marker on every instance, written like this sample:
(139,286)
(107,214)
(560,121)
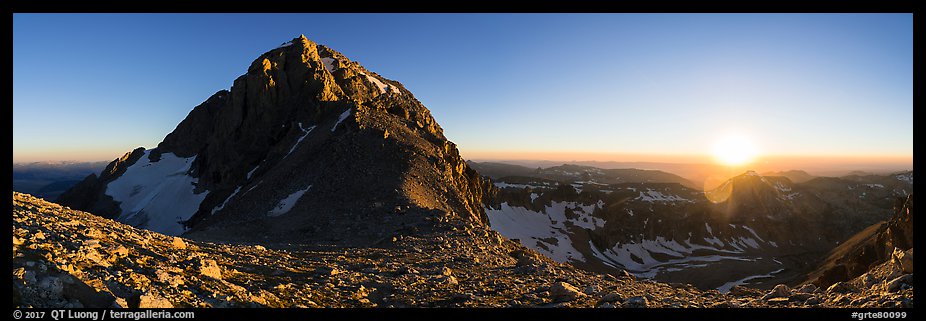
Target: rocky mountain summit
(68,258)
(306,147)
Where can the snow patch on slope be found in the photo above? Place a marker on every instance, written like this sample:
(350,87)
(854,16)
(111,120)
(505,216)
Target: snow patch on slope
(654,196)
(220,207)
(781,187)
(537,230)
(340,119)
(329,64)
(729,285)
(637,258)
(157,196)
(508,185)
(305,133)
(254,170)
(381,85)
(286,204)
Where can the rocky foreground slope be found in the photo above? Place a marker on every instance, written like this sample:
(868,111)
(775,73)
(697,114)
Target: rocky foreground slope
(68,258)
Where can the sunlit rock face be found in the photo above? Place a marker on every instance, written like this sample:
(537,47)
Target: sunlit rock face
(305,146)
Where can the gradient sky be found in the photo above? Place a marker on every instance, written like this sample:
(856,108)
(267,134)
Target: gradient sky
(93,86)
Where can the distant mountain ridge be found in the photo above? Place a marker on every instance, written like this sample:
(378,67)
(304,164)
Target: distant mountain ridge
(572,172)
(49,179)
(756,229)
(797,176)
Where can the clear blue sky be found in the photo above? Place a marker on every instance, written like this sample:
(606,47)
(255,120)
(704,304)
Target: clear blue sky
(92,86)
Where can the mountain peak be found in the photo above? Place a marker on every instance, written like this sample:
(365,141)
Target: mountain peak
(306,145)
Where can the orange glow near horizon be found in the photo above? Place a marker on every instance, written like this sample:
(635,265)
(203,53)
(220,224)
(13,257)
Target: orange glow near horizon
(580,156)
(705,169)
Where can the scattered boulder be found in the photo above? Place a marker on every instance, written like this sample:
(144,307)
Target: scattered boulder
(739,290)
(898,283)
(153,301)
(178,243)
(119,253)
(635,302)
(724,304)
(779,291)
(328,271)
(210,269)
(839,287)
(800,296)
(525,258)
(591,289)
(903,260)
(448,279)
(564,292)
(807,288)
(611,297)
(169,279)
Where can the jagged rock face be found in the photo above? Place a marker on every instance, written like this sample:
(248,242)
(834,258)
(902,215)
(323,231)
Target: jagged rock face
(870,247)
(306,144)
(90,195)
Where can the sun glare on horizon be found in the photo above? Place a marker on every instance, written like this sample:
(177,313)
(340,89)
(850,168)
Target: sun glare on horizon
(734,150)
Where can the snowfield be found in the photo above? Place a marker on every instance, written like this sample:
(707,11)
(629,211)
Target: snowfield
(729,285)
(157,196)
(653,196)
(535,229)
(637,258)
(287,203)
(521,186)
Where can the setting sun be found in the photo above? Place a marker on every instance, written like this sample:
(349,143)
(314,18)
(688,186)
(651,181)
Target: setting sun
(734,150)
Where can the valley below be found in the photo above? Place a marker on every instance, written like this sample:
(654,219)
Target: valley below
(655,227)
